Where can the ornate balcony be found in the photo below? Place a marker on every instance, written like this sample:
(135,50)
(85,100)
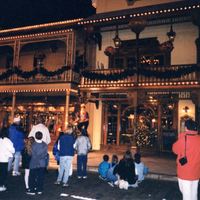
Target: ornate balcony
(176,76)
(67,76)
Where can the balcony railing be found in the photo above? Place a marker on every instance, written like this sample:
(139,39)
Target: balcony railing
(141,80)
(68,76)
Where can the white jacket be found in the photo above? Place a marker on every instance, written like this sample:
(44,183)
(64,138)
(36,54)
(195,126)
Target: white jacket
(6,150)
(45,131)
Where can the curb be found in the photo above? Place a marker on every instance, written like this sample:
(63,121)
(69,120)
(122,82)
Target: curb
(150,175)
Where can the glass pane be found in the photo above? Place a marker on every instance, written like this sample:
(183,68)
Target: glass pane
(131,62)
(119,62)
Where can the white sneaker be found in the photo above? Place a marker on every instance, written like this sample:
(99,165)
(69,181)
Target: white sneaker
(111,184)
(14,173)
(3,188)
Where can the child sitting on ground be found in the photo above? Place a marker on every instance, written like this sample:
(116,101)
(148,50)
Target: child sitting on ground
(139,168)
(103,167)
(125,171)
(110,177)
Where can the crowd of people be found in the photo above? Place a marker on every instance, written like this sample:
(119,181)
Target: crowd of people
(31,149)
(130,171)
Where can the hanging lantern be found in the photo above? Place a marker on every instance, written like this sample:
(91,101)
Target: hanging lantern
(117,41)
(171,34)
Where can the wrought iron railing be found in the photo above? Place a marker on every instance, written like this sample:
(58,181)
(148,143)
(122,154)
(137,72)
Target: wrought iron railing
(67,76)
(191,76)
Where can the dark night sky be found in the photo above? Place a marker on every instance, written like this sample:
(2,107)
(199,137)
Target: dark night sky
(15,13)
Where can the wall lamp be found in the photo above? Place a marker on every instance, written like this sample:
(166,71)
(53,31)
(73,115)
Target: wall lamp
(186,109)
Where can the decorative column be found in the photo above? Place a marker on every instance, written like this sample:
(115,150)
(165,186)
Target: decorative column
(118,124)
(137,26)
(70,49)
(16,53)
(13,106)
(196,21)
(105,123)
(16,50)
(160,141)
(66,109)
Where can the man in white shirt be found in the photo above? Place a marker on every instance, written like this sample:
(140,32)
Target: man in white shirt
(42,128)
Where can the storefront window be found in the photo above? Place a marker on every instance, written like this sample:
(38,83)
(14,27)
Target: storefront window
(112,124)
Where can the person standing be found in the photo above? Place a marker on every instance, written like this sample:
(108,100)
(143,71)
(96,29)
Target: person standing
(6,151)
(42,128)
(37,165)
(83,120)
(188,160)
(26,158)
(16,135)
(66,149)
(82,146)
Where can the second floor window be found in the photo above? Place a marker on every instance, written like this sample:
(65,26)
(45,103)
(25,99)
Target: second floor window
(38,60)
(150,54)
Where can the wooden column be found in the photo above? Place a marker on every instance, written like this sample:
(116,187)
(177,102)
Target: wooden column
(66,109)
(13,106)
(118,124)
(196,21)
(70,49)
(159,128)
(105,123)
(16,52)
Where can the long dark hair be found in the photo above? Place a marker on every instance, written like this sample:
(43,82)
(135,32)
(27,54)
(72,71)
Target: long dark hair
(128,158)
(4,132)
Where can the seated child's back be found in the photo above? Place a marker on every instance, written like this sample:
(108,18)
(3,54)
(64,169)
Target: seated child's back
(104,166)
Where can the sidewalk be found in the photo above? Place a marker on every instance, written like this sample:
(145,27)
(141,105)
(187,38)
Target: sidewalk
(161,167)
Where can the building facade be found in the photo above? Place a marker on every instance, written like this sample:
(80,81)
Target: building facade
(135,64)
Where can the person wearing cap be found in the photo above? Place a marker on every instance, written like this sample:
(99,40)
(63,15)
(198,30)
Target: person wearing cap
(42,128)
(16,135)
(188,160)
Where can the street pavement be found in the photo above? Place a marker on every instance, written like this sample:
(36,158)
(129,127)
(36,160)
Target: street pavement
(161,166)
(160,183)
(92,188)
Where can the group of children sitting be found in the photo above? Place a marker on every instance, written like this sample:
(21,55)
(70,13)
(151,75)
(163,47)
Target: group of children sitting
(128,172)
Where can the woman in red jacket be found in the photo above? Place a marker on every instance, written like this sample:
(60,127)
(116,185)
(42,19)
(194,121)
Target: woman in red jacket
(187,148)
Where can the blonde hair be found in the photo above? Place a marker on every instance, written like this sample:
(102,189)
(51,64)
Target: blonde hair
(28,144)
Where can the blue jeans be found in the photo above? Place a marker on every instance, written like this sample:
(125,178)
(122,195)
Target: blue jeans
(82,165)
(65,164)
(17,158)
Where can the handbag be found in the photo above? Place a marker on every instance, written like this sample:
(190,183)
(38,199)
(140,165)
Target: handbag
(183,160)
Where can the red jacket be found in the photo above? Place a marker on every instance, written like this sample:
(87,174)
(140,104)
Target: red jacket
(191,170)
